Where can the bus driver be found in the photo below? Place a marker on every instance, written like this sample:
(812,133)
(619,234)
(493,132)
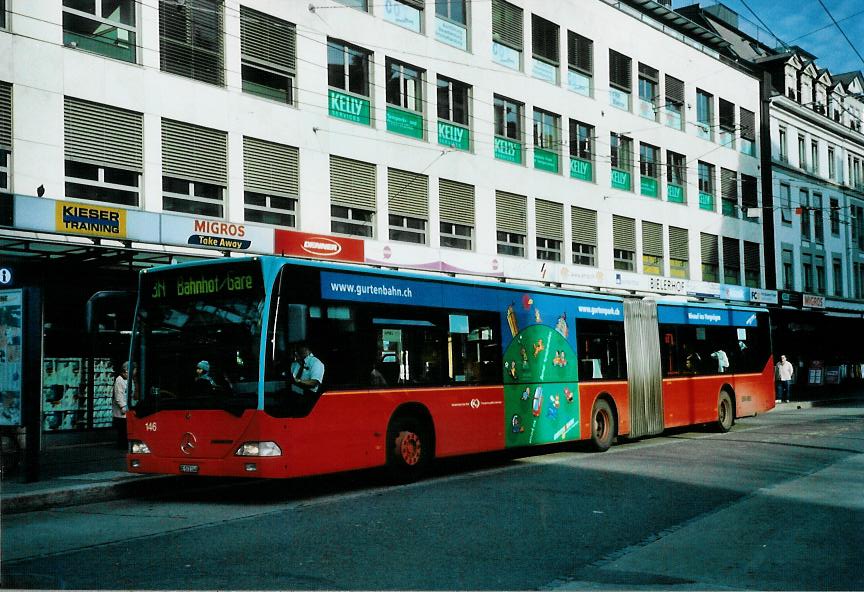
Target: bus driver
(307,371)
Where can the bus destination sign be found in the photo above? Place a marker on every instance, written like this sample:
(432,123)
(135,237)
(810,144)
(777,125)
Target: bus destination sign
(204,281)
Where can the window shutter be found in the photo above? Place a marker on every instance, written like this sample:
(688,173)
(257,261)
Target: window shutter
(103,135)
(352,183)
(649,73)
(456,202)
(418,4)
(507,24)
(544,38)
(624,233)
(748,125)
(728,184)
(710,253)
(580,52)
(267,39)
(194,153)
(751,257)
(620,74)
(679,247)
(583,224)
(549,216)
(5,114)
(749,192)
(674,90)
(190,39)
(510,212)
(270,168)
(731,254)
(408,193)
(727,115)
(652,238)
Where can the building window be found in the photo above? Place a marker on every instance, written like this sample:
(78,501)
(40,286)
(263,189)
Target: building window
(270,183)
(783,146)
(819,273)
(814,156)
(191,39)
(679,252)
(108,170)
(407,229)
(837,267)
(649,85)
(674,105)
(456,208)
(549,218)
(710,258)
(404,86)
(581,150)
(750,197)
(731,261)
(624,243)
(192,197)
(729,192)
(649,168)
(352,221)
(408,197)
(3,14)
(652,248)
(453,100)
(676,177)
(545,45)
(704,115)
(358,4)
(621,159)
(832,164)
(194,169)
(726,113)
(580,64)
(452,10)
(804,200)
(834,216)
(583,224)
(268,54)
(706,186)
(620,80)
(508,130)
(348,68)
(752,266)
(547,140)
(548,249)
(106,27)
(512,228)
(748,132)
(818,219)
(786,203)
(802,153)
(404,13)
(507,33)
(807,271)
(352,197)
(5,137)
(788,261)
(5,177)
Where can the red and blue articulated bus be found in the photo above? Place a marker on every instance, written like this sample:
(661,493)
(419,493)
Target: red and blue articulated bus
(417,367)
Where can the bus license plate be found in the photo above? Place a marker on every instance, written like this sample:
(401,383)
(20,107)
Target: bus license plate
(188,468)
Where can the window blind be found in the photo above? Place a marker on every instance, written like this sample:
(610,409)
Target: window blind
(748,125)
(103,135)
(583,224)
(728,184)
(652,238)
(544,38)
(727,115)
(456,202)
(408,193)
(620,74)
(679,247)
(549,216)
(674,90)
(710,253)
(352,183)
(507,24)
(580,52)
(751,257)
(5,114)
(731,253)
(194,153)
(269,167)
(265,38)
(510,212)
(624,233)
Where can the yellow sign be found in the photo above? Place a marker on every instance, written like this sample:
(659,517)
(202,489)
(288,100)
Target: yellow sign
(87,220)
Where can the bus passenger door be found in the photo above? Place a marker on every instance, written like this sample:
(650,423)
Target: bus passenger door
(644,382)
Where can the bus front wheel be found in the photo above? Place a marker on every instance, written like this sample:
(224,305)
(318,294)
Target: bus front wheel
(725,412)
(409,448)
(602,426)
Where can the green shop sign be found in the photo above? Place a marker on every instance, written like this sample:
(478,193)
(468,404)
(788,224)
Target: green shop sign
(706,201)
(545,160)
(581,169)
(648,186)
(621,180)
(675,193)
(508,150)
(453,135)
(348,107)
(405,123)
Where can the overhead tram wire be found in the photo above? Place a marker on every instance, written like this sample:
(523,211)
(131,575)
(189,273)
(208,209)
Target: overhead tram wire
(842,32)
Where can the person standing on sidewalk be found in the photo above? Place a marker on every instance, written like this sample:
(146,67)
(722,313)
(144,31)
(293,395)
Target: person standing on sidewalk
(120,403)
(784,379)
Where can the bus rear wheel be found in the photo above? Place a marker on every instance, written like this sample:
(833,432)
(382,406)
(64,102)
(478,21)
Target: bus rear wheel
(602,426)
(409,448)
(725,412)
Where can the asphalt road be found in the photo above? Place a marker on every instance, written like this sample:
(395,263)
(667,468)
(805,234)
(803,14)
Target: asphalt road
(778,503)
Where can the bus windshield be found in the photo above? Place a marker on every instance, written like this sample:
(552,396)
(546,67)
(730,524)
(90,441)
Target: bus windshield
(197,338)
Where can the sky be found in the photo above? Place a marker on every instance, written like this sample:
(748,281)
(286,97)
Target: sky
(807,24)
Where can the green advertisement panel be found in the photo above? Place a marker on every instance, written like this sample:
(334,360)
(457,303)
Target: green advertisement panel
(405,123)
(675,193)
(508,150)
(545,160)
(348,107)
(648,186)
(621,180)
(706,201)
(454,136)
(541,390)
(581,169)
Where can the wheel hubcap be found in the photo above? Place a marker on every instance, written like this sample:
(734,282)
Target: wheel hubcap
(601,424)
(410,448)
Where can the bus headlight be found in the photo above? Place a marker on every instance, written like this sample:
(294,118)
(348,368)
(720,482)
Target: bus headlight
(138,447)
(259,449)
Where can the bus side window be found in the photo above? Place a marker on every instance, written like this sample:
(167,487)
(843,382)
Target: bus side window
(472,344)
(601,350)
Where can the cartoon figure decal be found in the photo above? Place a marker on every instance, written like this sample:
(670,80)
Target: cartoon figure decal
(561,325)
(538,401)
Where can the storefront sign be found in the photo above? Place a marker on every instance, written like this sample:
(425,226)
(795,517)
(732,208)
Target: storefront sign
(729,292)
(10,357)
(763,296)
(508,150)
(581,169)
(648,186)
(316,246)
(545,160)
(89,220)
(451,33)
(813,301)
(454,136)
(402,15)
(505,56)
(620,180)
(706,201)
(348,107)
(216,234)
(405,123)
(675,193)
(579,83)
(789,298)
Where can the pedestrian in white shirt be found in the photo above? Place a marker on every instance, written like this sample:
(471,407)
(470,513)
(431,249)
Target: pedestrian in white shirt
(784,373)
(120,403)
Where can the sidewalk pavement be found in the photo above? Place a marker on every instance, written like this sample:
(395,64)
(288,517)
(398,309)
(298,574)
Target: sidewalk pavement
(87,473)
